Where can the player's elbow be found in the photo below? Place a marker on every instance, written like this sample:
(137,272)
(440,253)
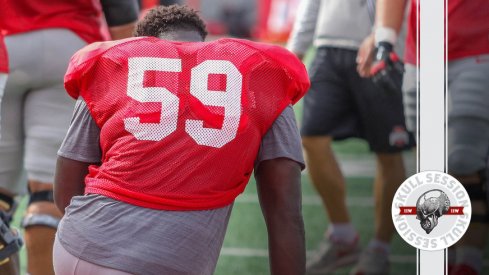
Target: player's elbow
(68,181)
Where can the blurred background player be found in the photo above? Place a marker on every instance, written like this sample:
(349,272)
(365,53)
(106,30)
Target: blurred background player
(164,137)
(3,68)
(40,37)
(468,108)
(340,104)
(10,240)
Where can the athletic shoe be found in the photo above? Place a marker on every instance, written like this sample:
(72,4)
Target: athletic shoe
(372,262)
(463,269)
(332,255)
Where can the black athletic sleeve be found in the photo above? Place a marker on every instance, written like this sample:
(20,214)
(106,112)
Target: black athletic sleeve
(120,12)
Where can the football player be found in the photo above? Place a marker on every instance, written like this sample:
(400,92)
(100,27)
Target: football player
(468,113)
(166,133)
(340,105)
(10,241)
(40,37)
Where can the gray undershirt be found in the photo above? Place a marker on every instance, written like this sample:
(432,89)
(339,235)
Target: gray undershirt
(148,241)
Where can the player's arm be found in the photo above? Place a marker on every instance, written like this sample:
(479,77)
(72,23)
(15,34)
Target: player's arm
(304,27)
(389,17)
(69,181)
(279,192)
(121,16)
(385,68)
(79,150)
(390,14)
(278,177)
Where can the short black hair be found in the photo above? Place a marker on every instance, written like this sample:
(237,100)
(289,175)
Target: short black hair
(163,19)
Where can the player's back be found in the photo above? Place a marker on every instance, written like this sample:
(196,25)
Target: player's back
(84,17)
(181,122)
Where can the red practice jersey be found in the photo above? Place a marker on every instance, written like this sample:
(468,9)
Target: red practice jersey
(83,17)
(181,122)
(3,56)
(468,29)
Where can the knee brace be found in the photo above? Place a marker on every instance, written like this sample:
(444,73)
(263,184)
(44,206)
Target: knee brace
(40,219)
(10,242)
(465,160)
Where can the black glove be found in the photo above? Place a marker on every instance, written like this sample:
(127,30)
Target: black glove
(388,69)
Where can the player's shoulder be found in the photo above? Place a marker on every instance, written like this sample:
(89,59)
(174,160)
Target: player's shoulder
(276,54)
(97,49)
(265,48)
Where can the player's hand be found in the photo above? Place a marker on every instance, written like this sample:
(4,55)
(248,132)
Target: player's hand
(388,69)
(365,56)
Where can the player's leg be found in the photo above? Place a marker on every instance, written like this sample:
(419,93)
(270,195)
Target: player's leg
(390,174)
(47,116)
(471,145)
(11,148)
(326,176)
(327,113)
(66,263)
(409,87)
(468,146)
(47,113)
(383,121)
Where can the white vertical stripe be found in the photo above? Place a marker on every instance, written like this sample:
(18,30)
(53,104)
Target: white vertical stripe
(432,107)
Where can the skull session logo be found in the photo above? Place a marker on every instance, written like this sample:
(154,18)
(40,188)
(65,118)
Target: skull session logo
(428,210)
(431,210)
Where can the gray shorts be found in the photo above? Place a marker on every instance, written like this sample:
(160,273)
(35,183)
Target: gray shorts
(35,110)
(409,85)
(342,104)
(468,114)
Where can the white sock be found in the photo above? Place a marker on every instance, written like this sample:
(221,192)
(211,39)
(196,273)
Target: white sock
(470,256)
(342,232)
(376,244)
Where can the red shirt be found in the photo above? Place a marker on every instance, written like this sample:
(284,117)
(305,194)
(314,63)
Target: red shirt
(468,29)
(411,39)
(3,56)
(181,122)
(83,17)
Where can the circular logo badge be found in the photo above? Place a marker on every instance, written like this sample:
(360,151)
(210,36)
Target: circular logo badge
(431,210)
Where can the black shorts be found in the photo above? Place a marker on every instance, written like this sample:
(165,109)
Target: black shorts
(342,104)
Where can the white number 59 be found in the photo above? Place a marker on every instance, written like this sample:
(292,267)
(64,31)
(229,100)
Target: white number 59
(230,100)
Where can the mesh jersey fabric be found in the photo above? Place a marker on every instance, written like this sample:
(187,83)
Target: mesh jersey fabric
(468,29)
(3,56)
(83,17)
(181,122)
